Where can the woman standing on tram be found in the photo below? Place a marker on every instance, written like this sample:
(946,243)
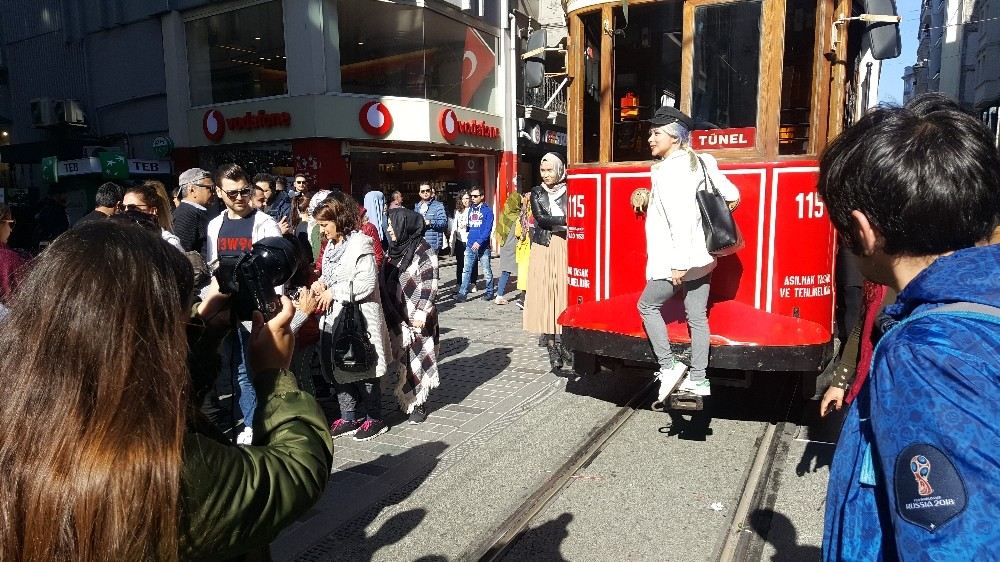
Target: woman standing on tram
(677,259)
(546,297)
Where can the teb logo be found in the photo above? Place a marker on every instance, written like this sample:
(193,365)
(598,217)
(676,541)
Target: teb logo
(375,119)
(213,124)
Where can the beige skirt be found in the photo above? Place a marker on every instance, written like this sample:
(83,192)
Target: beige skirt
(546,295)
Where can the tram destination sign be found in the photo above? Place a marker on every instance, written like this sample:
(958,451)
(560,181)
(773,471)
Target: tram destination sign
(714,139)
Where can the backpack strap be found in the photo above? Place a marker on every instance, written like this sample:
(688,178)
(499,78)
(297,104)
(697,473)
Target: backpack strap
(973,307)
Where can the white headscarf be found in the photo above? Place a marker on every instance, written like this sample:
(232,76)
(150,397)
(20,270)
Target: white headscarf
(559,167)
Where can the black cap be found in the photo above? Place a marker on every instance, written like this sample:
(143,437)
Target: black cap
(667,115)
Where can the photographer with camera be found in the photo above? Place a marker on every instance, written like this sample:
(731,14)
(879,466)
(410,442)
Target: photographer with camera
(105,456)
(231,235)
(354,338)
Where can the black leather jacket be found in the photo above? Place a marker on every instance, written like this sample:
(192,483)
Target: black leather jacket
(544,221)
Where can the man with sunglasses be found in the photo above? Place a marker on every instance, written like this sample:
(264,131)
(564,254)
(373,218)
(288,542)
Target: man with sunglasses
(435,217)
(230,235)
(191,216)
(478,246)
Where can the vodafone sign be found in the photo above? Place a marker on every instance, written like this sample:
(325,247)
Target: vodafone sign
(214,124)
(451,126)
(375,119)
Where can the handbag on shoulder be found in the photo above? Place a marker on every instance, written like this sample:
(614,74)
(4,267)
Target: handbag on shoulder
(722,236)
(353,351)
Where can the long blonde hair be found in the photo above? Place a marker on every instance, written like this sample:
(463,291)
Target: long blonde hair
(92,363)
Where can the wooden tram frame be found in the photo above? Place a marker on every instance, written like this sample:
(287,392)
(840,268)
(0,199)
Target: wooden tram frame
(826,119)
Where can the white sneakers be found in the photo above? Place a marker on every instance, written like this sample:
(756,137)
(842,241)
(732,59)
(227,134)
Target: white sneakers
(245,437)
(668,379)
(701,388)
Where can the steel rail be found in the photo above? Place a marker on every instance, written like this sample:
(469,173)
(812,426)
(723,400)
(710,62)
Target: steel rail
(518,522)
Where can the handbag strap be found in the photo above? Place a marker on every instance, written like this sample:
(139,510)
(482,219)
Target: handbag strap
(707,180)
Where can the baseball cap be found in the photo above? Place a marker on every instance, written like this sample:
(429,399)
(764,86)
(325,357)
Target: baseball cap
(667,115)
(192,175)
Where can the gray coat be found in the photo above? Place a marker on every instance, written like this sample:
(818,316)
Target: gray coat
(357,264)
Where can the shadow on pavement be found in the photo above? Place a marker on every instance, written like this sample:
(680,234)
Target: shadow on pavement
(542,542)
(461,376)
(778,530)
(361,496)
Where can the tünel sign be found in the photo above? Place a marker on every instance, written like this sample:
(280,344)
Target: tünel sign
(712,139)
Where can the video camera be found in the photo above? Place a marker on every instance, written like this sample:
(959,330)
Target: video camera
(252,277)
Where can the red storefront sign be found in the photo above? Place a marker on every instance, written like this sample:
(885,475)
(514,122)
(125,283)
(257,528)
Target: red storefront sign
(745,137)
(214,123)
(451,126)
(375,119)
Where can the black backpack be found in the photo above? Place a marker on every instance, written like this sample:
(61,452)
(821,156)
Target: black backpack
(353,351)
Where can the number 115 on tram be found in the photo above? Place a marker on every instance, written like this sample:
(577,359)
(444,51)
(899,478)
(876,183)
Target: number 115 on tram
(768,83)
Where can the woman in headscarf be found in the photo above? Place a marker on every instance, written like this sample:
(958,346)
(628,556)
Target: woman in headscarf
(375,209)
(546,296)
(409,290)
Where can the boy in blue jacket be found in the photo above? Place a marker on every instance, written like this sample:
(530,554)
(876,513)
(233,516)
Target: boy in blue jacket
(915,194)
(478,246)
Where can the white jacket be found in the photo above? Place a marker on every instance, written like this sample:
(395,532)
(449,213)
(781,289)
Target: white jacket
(675,238)
(263,227)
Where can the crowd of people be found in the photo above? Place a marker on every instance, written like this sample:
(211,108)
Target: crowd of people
(140,461)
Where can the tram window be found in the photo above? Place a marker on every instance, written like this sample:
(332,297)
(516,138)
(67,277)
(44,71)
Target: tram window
(647,74)
(797,76)
(726,66)
(591,58)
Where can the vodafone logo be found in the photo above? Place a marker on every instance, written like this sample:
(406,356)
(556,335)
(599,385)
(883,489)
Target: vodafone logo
(448,123)
(375,119)
(451,126)
(213,124)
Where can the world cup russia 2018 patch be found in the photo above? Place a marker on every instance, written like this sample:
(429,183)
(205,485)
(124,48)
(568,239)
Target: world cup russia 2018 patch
(929,490)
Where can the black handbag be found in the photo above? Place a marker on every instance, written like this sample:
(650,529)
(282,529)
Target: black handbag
(353,351)
(722,236)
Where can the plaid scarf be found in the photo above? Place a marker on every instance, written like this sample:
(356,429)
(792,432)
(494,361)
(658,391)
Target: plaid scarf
(412,296)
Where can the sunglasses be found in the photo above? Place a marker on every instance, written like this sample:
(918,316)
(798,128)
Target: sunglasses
(476,194)
(133,207)
(300,181)
(8,221)
(237,193)
(425,191)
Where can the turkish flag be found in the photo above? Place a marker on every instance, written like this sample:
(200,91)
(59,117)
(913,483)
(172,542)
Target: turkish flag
(478,63)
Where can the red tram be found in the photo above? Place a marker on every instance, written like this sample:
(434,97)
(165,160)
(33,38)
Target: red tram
(768,83)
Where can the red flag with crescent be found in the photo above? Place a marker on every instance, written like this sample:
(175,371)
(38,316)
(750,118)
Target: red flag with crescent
(478,63)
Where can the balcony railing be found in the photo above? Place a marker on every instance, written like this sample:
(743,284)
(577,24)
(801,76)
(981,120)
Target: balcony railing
(540,96)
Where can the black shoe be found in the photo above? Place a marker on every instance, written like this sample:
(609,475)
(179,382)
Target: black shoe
(459,297)
(370,429)
(555,358)
(566,356)
(342,427)
(418,415)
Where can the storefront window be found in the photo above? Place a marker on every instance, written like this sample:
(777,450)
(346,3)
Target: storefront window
(647,74)
(401,50)
(726,68)
(237,55)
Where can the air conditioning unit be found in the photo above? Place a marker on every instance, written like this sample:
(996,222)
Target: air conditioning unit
(42,114)
(69,112)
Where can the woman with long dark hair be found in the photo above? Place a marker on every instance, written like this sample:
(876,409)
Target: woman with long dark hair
(104,456)
(12,262)
(410,288)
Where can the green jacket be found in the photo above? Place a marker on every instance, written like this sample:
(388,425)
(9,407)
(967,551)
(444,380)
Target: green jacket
(235,499)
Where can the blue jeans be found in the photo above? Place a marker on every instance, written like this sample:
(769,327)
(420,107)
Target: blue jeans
(237,351)
(502,285)
(482,255)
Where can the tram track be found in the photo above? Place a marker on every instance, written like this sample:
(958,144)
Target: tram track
(497,546)
(738,541)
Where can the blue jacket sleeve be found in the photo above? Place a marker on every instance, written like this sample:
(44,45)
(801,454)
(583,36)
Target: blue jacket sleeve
(935,431)
(483,234)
